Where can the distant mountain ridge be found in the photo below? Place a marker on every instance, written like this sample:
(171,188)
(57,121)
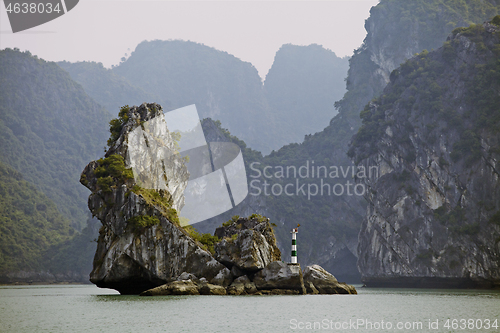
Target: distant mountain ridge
(105,87)
(222,86)
(225,88)
(396,30)
(302,87)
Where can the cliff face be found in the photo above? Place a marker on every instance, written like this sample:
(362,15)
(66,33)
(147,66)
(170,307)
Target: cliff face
(141,244)
(432,218)
(395,31)
(301,89)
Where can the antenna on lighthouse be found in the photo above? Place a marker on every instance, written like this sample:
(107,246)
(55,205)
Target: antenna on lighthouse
(294,244)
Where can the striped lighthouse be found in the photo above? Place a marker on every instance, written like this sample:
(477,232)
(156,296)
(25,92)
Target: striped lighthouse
(294,244)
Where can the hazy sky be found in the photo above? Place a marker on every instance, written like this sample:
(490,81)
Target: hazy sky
(253,31)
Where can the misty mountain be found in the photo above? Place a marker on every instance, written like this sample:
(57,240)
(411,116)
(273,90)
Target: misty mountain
(49,129)
(105,87)
(296,99)
(301,88)
(222,86)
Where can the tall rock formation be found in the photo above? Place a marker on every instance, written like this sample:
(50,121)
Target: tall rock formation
(301,88)
(141,244)
(433,214)
(142,248)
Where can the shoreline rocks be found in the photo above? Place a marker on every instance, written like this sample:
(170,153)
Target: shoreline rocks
(315,277)
(280,275)
(278,278)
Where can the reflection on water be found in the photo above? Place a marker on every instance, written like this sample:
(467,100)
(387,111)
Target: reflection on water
(78,308)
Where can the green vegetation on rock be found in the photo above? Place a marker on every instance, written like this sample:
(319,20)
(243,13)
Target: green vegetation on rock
(113,166)
(116,124)
(143,221)
(233,219)
(161,199)
(258,217)
(206,240)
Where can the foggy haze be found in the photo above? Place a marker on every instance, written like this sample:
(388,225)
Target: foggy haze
(105,31)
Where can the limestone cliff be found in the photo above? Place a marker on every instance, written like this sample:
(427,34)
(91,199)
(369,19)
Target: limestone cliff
(432,218)
(141,244)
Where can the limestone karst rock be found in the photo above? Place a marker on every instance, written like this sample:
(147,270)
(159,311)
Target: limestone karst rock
(141,244)
(248,244)
(142,248)
(433,213)
(324,282)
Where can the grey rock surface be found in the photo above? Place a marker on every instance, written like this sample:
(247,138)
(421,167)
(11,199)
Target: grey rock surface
(131,258)
(212,289)
(223,277)
(186,287)
(280,275)
(318,280)
(429,216)
(236,288)
(247,244)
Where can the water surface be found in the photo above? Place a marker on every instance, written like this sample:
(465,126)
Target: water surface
(86,308)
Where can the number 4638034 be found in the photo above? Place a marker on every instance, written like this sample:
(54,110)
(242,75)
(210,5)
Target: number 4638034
(471,324)
(32,8)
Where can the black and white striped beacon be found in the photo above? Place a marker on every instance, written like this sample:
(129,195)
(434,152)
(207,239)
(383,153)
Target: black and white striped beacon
(294,244)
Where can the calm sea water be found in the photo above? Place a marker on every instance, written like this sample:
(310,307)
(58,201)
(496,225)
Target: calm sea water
(86,308)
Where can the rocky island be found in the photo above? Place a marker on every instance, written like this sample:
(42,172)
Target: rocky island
(433,218)
(142,247)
